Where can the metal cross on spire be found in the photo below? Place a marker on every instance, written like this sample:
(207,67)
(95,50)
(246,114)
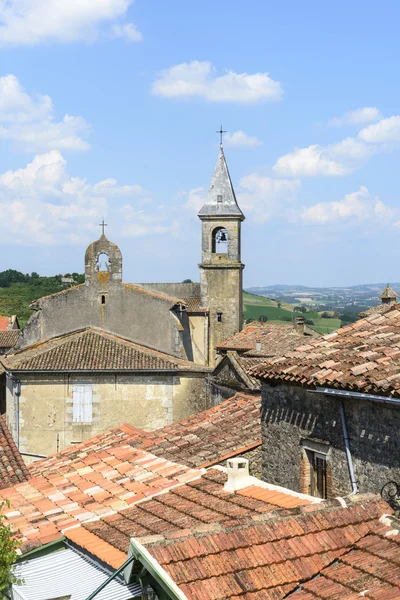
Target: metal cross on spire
(221,132)
(102,225)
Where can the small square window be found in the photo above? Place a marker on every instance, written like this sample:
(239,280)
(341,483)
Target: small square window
(219,317)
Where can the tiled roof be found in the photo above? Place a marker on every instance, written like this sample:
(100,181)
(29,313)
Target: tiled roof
(275,338)
(266,556)
(101,482)
(194,305)
(204,439)
(12,466)
(388,293)
(370,569)
(197,504)
(379,309)
(363,356)
(94,349)
(208,437)
(9,337)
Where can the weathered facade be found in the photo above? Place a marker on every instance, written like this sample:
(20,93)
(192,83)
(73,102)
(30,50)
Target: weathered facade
(183,321)
(221,269)
(74,387)
(331,410)
(300,426)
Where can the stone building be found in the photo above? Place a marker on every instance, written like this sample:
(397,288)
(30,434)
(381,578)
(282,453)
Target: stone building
(388,298)
(180,323)
(331,410)
(9,333)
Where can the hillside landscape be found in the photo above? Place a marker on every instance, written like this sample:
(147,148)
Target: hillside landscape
(325,309)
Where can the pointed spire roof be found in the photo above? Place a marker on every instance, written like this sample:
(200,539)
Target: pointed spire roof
(221,200)
(388,293)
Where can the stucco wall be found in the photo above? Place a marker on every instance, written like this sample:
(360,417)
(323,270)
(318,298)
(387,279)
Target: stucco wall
(140,317)
(145,401)
(292,415)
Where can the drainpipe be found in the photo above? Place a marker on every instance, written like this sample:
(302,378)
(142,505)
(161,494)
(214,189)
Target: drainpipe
(354,488)
(340,394)
(16,392)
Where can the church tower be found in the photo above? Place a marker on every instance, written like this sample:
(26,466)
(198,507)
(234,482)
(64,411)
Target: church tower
(221,267)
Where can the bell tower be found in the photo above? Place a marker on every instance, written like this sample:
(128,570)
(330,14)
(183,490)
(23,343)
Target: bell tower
(221,267)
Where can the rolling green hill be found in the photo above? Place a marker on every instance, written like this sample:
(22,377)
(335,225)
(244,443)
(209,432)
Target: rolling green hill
(255,306)
(18,291)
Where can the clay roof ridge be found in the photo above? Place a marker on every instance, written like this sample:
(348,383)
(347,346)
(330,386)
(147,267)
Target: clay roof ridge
(159,295)
(60,340)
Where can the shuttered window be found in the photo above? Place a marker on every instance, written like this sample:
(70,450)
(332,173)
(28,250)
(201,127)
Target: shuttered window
(82,403)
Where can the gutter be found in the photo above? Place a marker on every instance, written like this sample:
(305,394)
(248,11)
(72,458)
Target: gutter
(358,396)
(349,458)
(154,569)
(112,371)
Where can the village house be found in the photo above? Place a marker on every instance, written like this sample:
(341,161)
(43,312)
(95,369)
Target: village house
(330,410)
(249,348)
(9,333)
(174,532)
(105,351)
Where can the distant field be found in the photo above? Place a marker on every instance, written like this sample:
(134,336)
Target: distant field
(255,306)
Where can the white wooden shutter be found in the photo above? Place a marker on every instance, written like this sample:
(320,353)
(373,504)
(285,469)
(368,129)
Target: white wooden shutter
(82,403)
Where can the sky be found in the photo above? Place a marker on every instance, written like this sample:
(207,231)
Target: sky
(109,108)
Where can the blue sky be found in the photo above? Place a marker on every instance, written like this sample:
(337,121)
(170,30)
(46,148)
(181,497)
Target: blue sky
(110,107)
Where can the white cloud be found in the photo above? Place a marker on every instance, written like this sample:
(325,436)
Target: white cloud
(342,157)
(308,162)
(386,130)
(127,31)
(368,114)
(195,199)
(199,79)
(240,139)
(29,121)
(31,22)
(42,204)
(359,206)
(265,198)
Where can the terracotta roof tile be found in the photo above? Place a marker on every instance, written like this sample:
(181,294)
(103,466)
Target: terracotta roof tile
(87,484)
(275,339)
(12,466)
(9,337)
(364,356)
(200,505)
(270,555)
(94,349)
(4,323)
(208,437)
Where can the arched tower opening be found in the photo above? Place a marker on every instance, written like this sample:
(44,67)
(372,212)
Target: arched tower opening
(220,240)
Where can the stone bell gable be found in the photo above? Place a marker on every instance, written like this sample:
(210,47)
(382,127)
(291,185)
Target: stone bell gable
(142,315)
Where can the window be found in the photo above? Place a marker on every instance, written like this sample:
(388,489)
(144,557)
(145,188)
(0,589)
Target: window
(219,317)
(82,404)
(317,474)
(103,299)
(103,264)
(220,241)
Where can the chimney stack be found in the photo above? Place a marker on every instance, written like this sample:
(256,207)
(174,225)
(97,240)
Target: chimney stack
(258,346)
(238,474)
(298,324)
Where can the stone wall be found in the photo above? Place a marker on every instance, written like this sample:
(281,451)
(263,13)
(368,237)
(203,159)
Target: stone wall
(147,401)
(176,290)
(295,420)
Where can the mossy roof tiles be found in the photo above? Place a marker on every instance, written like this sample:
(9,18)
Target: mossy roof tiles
(362,357)
(268,556)
(93,349)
